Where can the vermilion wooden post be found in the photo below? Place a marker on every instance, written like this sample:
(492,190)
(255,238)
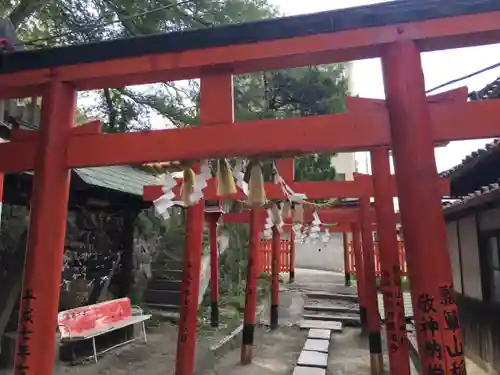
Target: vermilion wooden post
(251,287)
(373,317)
(390,282)
(44,256)
(424,229)
(275,274)
(213,218)
(292,257)
(2,177)
(216,105)
(190,287)
(358,258)
(345,242)
(286,168)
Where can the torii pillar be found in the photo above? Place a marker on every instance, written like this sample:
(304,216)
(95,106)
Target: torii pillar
(370,289)
(47,229)
(424,229)
(390,281)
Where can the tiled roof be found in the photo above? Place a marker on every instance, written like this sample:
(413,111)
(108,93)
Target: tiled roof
(490,91)
(122,178)
(473,158)
(483,195)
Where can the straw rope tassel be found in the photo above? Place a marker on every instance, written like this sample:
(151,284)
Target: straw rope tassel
(187,185)
(256,192)
(225,180)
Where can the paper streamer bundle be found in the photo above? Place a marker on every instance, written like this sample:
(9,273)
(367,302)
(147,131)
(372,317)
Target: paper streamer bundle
(286,211)
(277,216)
(200,182)
(268,225)
(298,213)
(163,203)
(239,176)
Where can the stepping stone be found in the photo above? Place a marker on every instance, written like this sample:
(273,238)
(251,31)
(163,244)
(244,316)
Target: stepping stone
(319,324)
(312,359)
(321,334)
(316,345)
(334,309)
(299,370)
(338,296)
(351,320)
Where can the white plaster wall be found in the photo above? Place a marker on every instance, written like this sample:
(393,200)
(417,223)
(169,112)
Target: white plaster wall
(453,249)
(345,162)
(471,271)
(330,258)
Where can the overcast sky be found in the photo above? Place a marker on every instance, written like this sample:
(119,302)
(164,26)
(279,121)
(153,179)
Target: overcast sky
(439,67)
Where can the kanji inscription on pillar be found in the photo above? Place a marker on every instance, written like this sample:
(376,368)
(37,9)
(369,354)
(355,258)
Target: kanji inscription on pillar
(24,334)
(188,281)
(394,314)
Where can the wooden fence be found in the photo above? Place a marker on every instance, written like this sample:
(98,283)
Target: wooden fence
(266,256)
(265,259)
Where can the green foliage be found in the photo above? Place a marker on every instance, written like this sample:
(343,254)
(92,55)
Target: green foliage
(234,261)
(44,23)
(297,92)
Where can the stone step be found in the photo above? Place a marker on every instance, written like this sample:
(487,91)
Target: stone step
(407,303)
(170,297)
(319,324)
(173,275)
(347,320)
(163,307)
(172,316)
(161,284)
(321,334)
(331,308)
(317,345)
(300,370)
(312,359)
(332,296)
(168,265)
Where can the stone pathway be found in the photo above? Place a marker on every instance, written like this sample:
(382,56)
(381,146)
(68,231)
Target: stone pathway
(324,321)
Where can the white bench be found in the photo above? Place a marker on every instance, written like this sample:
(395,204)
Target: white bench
(89,322)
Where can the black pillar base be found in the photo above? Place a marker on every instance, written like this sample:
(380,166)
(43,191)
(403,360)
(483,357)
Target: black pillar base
(214,314)
(292,277)
(375,342)
(347,279)
(274,316)
(376,359)
(248,334)
(363,318)
(247,344)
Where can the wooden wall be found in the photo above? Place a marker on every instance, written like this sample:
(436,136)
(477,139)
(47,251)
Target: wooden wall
(480,317)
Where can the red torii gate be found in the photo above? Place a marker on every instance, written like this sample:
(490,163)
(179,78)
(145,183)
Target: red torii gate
(364,186)
(407,123)
(313,190)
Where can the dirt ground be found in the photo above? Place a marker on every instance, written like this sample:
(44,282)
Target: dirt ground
(154,358)
(275,353)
